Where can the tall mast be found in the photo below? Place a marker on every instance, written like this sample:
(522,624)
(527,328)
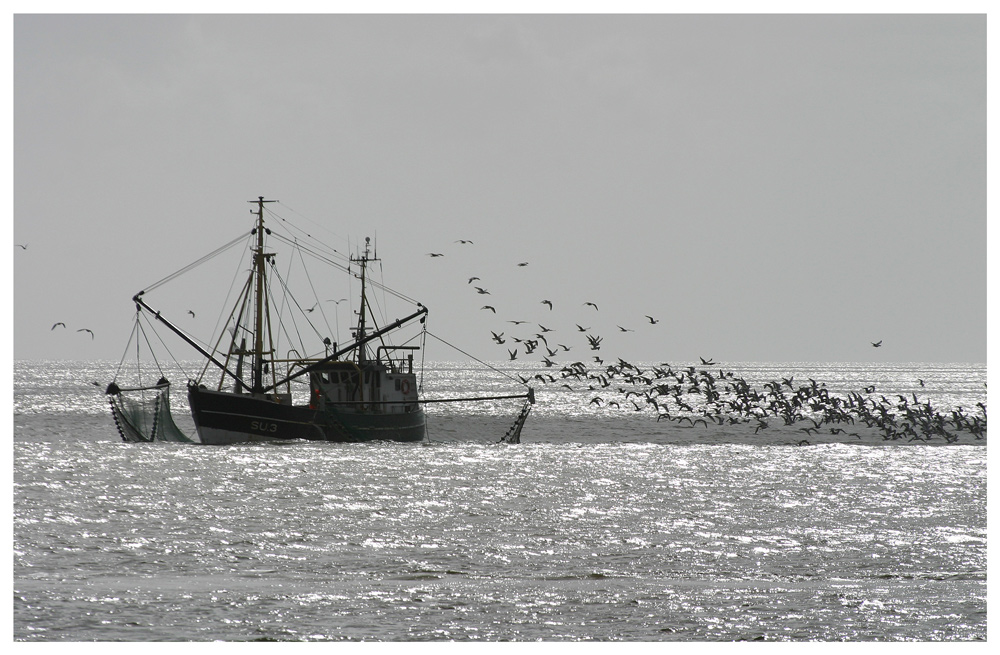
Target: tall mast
(361,314)
(259,261)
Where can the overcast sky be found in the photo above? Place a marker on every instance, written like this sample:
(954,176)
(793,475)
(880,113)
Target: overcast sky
(770,188)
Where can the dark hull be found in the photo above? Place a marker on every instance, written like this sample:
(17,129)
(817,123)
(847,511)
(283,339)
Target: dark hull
(224,418)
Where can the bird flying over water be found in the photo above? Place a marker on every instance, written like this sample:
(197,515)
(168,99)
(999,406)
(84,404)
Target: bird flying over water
(86,330)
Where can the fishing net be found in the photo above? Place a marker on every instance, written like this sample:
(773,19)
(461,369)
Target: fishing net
(142,414)
(513,435)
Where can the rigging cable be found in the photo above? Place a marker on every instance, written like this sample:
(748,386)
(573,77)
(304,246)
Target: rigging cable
(489,366)
(165,347)
(204,259)
(342,267)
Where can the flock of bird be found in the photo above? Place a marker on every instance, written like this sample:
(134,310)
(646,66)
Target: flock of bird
(691,396)
(536,336)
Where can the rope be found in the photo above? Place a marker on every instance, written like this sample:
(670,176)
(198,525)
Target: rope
(165,347)
(489,366)
(204,259)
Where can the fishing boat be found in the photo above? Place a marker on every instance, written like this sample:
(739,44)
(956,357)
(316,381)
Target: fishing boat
(364,390)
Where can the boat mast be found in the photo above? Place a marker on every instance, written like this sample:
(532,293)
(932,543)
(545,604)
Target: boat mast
(259,261)
(362,354)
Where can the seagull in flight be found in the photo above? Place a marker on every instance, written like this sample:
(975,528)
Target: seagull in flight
(471,279)
(625,329)
(652,321)
(435,254)
(57,325)
(463,241)
(489,308)
(86,330)
(23,246)
(191,313)
(481,290)
(523,264)
(877,344)
(547,302)
(592,305)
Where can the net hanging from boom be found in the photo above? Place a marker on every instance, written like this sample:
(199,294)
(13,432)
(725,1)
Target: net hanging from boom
(143,415)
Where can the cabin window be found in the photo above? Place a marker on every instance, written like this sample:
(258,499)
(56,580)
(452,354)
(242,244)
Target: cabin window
(397,384)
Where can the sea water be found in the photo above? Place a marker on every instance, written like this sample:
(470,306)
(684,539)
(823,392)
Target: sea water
(602,524)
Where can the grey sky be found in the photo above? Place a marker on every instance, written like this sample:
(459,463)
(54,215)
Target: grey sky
(772,188)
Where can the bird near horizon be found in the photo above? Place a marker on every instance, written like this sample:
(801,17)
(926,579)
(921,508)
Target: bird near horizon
(57,325)
(706,362)
(86,330)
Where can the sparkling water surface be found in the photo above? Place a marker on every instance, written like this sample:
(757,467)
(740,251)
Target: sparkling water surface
(600,525)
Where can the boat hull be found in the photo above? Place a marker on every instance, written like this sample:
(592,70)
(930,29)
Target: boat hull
(225,418)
